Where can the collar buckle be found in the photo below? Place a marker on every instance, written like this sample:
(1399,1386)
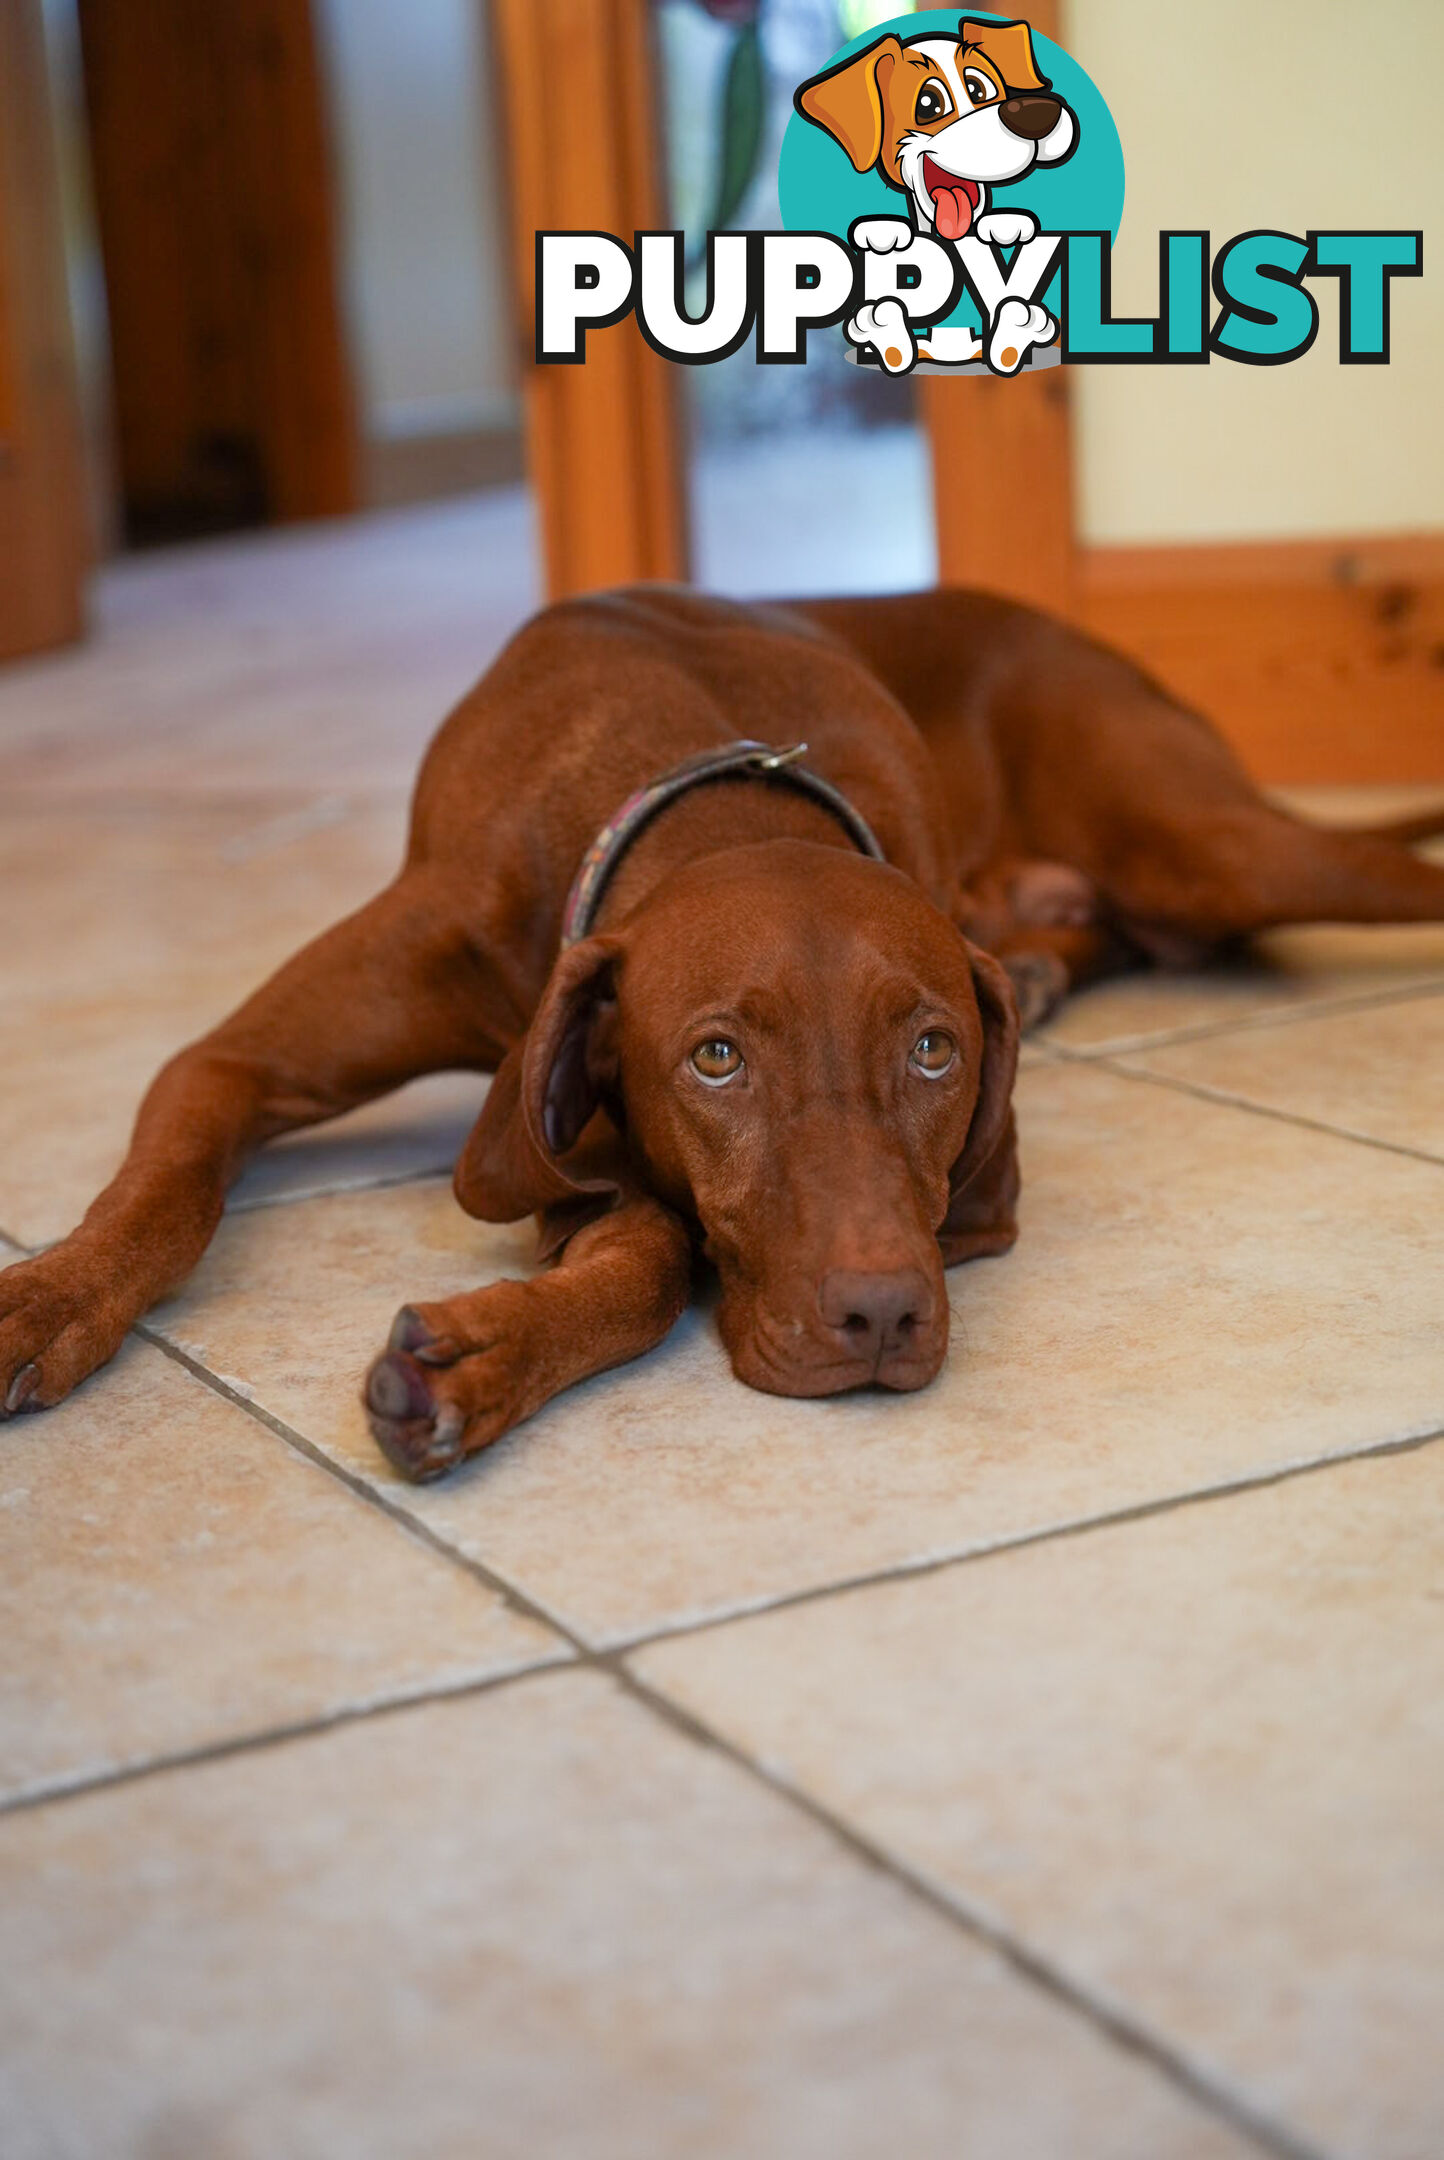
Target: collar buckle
(774,760)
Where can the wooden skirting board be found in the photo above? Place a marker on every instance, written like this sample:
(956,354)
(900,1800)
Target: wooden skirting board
(1321,660)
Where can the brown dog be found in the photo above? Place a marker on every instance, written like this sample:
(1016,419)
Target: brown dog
(766,1044)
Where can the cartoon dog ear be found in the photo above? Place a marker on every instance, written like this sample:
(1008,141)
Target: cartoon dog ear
(1009,46)
(545,1093)
(846,101)
(984,1179)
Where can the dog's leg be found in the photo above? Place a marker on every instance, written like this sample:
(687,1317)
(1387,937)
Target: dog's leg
(1332,876)
(1259,869)
(394,991)
(461,1373)
(982,1220)
(1041,920)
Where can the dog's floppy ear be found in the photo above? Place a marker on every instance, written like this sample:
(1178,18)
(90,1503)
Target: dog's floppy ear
(1009,46)
(847,101)
(988,1146)
(545,1093)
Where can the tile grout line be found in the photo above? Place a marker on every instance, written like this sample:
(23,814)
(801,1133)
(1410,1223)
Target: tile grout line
(940,1563)
(260,1203)
(532,1608)
(1114,2022)
(84,1783)
(1201,1092)
(1110,1053)
(609,1653)
(1273,1016)
(1117,2025)
(386,1181)
(516,1600)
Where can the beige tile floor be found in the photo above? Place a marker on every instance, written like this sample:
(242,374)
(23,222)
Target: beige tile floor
(1047,1765)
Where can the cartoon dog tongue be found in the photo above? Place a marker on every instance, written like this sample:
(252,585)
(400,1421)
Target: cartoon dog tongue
(952,211)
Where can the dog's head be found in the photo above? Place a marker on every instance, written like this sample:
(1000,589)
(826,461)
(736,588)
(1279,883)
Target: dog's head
(944,118)
(806,1058)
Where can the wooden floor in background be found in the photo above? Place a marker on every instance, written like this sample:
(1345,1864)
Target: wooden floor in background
(1320,660)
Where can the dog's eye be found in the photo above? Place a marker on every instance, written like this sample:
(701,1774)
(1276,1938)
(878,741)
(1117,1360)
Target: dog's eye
(717,1061)
(933,1054)
(933,103)
(980,88)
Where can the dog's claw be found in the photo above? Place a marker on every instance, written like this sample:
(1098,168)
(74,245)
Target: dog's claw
(21,1388)
(409,1331)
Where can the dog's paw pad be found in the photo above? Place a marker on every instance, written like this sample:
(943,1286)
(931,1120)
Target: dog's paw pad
(419,1436)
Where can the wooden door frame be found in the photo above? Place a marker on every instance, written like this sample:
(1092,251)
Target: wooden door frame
(1319,660)
(1002,466)
(44,530)
(234,399)
(604,440)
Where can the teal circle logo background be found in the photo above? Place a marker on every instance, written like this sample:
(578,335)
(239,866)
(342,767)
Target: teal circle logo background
(819,192)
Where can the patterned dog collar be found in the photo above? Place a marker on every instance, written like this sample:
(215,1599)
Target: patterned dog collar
(617,835)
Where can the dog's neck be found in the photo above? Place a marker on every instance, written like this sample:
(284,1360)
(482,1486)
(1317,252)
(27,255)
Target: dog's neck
(789,785)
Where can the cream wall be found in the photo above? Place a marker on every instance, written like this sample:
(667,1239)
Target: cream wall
(422,240)
(1285,114)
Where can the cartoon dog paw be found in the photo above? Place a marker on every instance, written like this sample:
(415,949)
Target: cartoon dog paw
(953,345)
(882,235)
(884,325)
(1006,228)
(1018,326)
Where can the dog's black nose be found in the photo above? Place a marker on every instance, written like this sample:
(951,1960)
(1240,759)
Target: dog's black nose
(876,1315)
(1032,116)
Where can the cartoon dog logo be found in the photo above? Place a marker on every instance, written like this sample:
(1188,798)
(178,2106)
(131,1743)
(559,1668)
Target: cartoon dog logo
(945,120)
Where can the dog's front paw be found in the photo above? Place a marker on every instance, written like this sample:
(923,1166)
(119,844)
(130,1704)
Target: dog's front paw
(1006,228)
(453,1378)
(881,235)
(1018,326)
(420,1434)
(1040,984)
(57,1323)
(883,325)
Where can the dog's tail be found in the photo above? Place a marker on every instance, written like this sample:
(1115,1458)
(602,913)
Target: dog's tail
(1421,825)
